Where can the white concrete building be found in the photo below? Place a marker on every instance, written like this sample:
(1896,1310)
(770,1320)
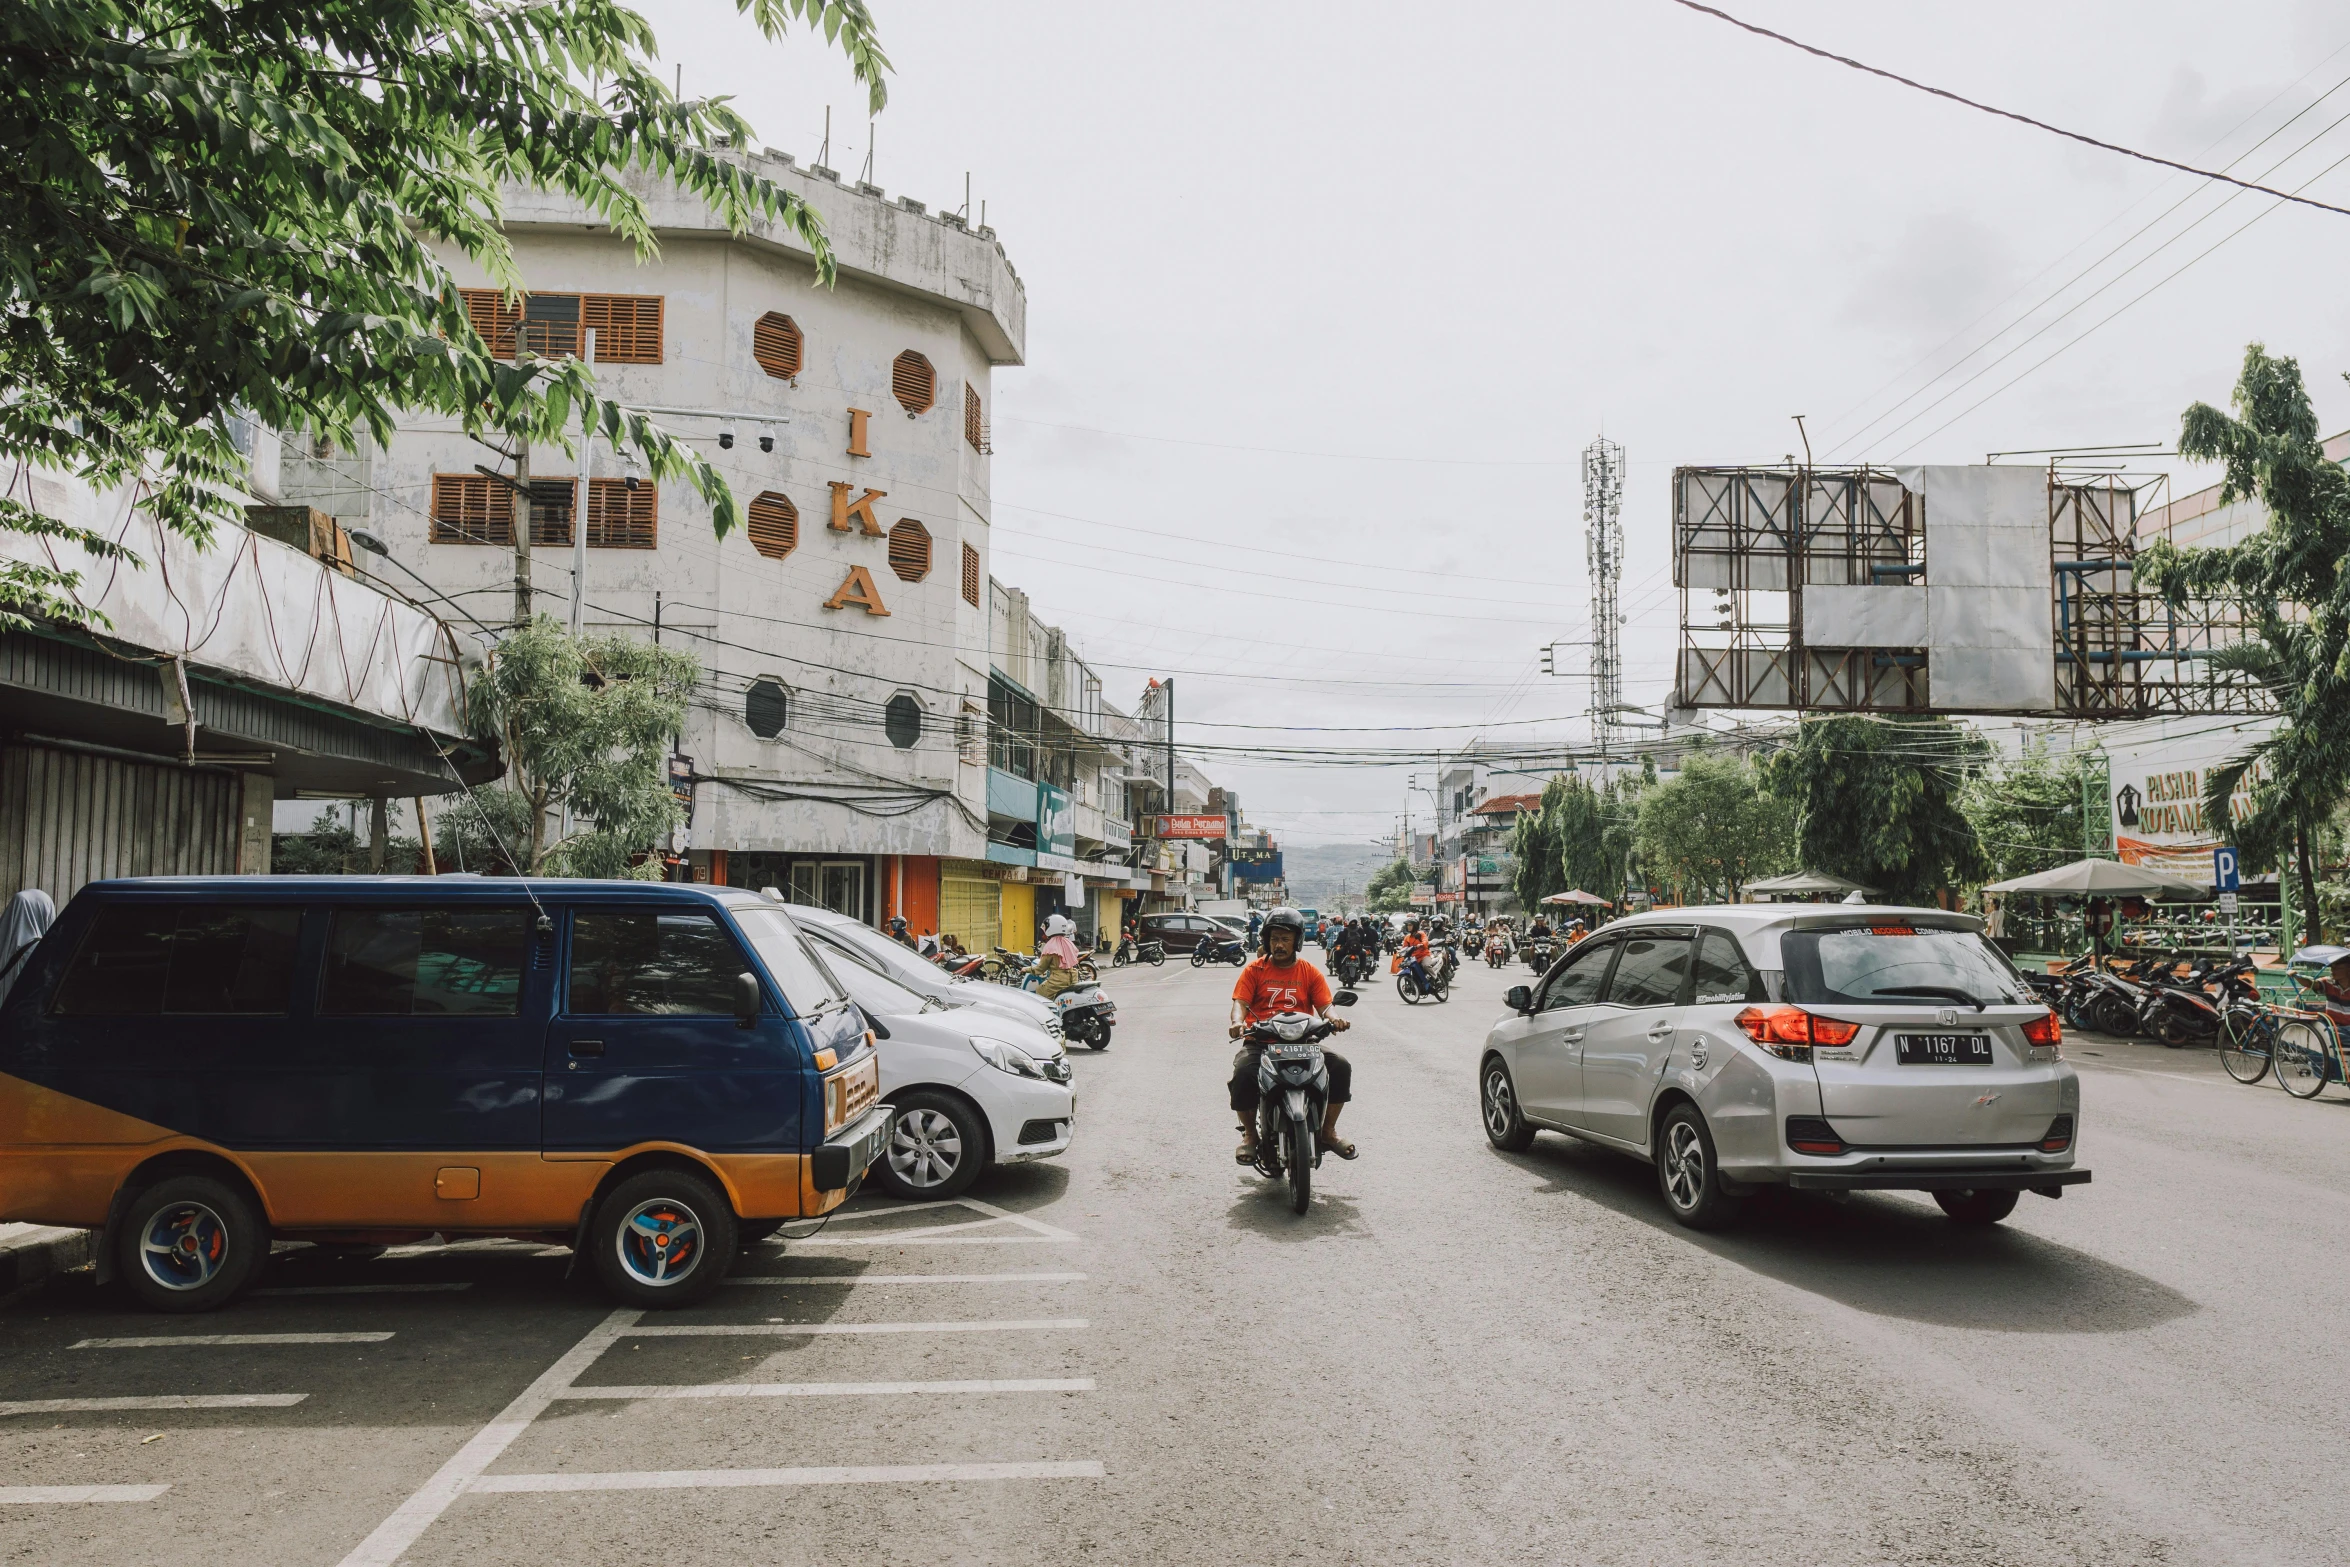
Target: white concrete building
(839,745)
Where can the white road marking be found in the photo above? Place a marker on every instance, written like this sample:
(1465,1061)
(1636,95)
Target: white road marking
(799,1329)
(837,1217)
(773,1280)
(944,1234)
(173,1341)
(932,1238)
(70,1406)
(367,1289)
(81,1493)
(695,1479)
(395,1534)
(828,1389)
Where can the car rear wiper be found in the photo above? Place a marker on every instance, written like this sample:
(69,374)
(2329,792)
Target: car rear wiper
(1943,992)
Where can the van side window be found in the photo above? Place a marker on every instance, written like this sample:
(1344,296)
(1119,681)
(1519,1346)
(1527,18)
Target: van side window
(624,962)
(1650,972)
(425,962)
(148,959)
(1722,975)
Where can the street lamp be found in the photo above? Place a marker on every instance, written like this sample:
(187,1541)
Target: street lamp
(368,540)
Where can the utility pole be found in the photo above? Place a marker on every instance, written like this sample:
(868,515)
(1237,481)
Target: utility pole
(522,521)
(587,493)
(1169,688)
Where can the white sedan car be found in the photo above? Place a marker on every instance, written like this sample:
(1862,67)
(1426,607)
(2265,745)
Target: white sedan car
(1833,1047)
(970,1087)
(837,935)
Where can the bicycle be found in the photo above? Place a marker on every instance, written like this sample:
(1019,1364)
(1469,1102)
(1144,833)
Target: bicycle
(2303,1048)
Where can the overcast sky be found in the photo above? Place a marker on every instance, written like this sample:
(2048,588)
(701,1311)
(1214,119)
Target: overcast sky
(1326,300)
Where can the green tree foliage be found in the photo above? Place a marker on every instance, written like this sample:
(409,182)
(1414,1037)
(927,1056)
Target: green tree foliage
(2289,580)
(2027,814)
(1390,888)
(1878,802)
(217,210)
(583,724)
(1619,851)
(1713,829)
(1538,866)
(331,848)
(1583,840)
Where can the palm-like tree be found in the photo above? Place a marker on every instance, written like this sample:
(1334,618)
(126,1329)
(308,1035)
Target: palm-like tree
(2288,580)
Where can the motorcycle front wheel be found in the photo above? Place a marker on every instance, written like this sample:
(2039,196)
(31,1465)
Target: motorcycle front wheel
(1199,956)
(1301,1166)
(1406,989)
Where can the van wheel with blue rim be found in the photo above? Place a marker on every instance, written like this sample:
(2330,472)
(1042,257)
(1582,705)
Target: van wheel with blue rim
(191,1243)
(663,1238)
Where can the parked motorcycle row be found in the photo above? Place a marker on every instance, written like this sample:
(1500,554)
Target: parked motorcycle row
(1087,1015)
(2150,996)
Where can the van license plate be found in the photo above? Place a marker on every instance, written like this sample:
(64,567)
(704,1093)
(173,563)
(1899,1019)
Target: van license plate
(1942,1049)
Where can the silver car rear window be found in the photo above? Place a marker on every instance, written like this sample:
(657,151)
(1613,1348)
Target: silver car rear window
(1895,965)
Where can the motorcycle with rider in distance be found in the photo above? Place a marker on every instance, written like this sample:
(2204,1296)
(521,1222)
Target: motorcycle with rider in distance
(1222,948)
(1293,1096)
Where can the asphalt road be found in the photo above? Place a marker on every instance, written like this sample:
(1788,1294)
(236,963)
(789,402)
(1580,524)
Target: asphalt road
(1139,1354)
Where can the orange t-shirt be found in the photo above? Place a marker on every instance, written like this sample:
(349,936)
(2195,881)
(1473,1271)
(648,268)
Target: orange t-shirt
(1266,987)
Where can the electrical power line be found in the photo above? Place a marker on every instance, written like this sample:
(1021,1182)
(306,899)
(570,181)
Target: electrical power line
(2009,114)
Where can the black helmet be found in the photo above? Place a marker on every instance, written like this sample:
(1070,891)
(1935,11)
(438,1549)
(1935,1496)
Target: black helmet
(1284,918)
(898,923)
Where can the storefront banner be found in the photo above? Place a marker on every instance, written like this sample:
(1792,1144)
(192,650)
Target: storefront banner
(1216,827)
(1063,863)
(1056,823)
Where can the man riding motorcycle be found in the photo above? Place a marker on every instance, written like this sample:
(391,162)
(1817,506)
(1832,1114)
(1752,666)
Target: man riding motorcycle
(1415,954)
(1282,981)
(1355,944)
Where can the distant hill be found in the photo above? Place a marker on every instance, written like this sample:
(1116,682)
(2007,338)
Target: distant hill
(1317,872)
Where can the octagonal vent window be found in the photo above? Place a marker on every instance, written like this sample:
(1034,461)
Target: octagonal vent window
(902,721)
(766,708)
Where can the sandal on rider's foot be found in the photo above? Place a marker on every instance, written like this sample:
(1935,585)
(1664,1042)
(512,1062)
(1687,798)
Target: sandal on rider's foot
(1246,1153)
(1337,1145)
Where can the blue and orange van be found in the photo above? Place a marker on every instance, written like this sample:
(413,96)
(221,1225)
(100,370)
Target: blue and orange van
(653,1074)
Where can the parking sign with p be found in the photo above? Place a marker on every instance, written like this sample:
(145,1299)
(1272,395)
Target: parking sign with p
(2224,874)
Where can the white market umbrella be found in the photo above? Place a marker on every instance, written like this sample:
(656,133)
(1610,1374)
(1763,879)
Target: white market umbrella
(1579,896)
(1806,881)
(2100,879)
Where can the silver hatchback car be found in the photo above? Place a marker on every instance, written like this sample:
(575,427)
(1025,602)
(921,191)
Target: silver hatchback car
(1834,1047)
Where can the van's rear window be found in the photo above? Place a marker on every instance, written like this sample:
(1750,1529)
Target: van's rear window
(1897,966)
(150,959)
(425,962)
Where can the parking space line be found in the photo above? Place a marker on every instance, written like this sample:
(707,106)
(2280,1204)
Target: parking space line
(945,1234)
(837,1217)
(1048,1231)
(367,1289)
(391,1538)
(828,1389)
(934,1238)
(174,1341)
(773,1280)
(80,1493)
(696,1479)
(811,1329)
(75,1406)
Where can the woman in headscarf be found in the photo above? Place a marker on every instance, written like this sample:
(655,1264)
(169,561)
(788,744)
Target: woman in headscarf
(22,924)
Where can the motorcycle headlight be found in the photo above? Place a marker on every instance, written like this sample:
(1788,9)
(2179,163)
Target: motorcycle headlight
(1006,1057)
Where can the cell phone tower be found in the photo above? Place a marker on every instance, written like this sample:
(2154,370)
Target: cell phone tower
(1603,551)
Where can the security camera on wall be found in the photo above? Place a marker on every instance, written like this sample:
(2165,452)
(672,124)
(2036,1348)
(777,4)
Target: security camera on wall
(726,437)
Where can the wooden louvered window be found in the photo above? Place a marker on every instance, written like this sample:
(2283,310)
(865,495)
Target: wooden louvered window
(497,322)
(619,518)
(974,422)
(627,326)
(914,382)
(776,343)
(472,508)
(909,550)
(774,524)
(971,576)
